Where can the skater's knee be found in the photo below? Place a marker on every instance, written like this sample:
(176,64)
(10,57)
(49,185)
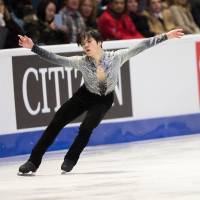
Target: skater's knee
(58,120)
(57,117)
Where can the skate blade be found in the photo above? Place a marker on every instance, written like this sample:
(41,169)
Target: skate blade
(64,172)
(26,174)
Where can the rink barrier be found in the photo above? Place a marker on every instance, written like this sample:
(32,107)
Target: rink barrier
(106,133)
(158,95)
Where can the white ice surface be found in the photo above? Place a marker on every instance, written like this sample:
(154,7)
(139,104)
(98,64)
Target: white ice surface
(164,169)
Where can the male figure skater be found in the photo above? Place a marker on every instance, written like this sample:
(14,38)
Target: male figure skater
(99,69)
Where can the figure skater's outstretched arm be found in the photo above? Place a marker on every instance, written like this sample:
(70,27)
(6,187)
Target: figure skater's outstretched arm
(73,61)
(126,54)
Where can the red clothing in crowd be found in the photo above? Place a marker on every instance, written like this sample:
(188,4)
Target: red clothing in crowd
(117,27)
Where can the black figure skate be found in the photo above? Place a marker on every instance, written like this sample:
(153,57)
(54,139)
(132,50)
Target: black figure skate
(28,168)
(67,165)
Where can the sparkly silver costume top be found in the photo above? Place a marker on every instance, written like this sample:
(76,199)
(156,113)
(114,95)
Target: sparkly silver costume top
(111,61)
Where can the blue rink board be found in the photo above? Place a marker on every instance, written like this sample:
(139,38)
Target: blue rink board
(106,133)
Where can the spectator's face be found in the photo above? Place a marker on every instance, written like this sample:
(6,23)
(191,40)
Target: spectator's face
(72,4)
(86,8)
(118,6)
(2,7)
(132,5)
(91,47)
(50,12)
(156,6)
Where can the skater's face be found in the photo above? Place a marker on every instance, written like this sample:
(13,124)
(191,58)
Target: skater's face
(91,47)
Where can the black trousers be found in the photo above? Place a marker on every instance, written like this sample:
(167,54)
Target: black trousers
(83,100)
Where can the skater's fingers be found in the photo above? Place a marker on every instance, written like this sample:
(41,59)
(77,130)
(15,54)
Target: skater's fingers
(21,37)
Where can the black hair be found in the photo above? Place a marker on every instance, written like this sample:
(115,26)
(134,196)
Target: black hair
(42,7)
(91,33)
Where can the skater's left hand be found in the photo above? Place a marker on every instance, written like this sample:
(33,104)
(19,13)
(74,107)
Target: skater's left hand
(176,33)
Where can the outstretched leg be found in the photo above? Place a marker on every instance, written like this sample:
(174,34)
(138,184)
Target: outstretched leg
(67,112)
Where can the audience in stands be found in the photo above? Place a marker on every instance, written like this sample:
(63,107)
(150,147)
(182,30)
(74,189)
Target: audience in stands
(72,19)
(167,3)
(88,10)
(115,23)
(9,29)
(195,8)
(4,15)
(140,21)
(59,21)
(44,30)
(183,17)
(159,17)
(19,11)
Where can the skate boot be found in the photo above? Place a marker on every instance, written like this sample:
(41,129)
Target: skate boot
(27,167)
(67,165)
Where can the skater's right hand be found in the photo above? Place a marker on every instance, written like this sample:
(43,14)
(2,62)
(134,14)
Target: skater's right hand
(176,33)
(25,42)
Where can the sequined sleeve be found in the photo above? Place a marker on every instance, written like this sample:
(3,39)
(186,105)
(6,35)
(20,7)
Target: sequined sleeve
(126,54)
(73,61)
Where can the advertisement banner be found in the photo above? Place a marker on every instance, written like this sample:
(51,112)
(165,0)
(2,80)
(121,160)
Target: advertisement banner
(41,88)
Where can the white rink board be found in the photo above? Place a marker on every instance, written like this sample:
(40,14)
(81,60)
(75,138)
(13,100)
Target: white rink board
(164,80)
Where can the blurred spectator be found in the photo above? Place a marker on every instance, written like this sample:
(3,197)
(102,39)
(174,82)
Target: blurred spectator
(88,10)
(183,17)
(138,18)
(142,5)
(8,29)
(159,18)
(7,2)
(115,24)
(36,2)
(3,19)
(72,19)
(167,3)
(18,11)
(44,30)
(4,15)
(195,6)
(101,6)
(29,15)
